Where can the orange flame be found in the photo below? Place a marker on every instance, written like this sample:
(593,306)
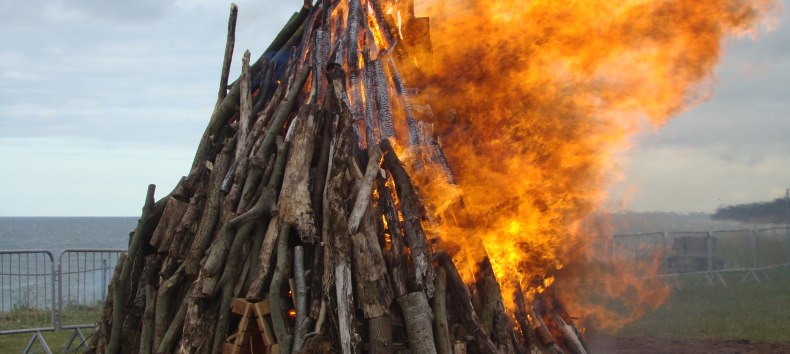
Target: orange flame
(546,94)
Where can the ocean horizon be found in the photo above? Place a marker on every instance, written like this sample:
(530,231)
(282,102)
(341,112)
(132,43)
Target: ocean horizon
(61,232)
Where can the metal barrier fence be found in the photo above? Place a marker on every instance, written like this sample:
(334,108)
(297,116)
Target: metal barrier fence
(27,291)
(713,252)
(84,275)
(38,295)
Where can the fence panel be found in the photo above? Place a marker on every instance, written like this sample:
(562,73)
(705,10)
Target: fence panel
(637,246)
(773,247)
(642,251)
(736,249)
(84,275)
(27,291)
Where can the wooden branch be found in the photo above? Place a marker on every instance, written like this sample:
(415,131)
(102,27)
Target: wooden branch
(417,315)
(276,177)
(102,334)
(150,271)
(294,204)
(230,104)
(362,202)
(256,272)
(336,217)
(281,330)
(383,101)
(219,118)
(266,78)
(521,317)
(264,261)
(400,88)
(229,44)
(141,234)
(317,193)
(394,256)
(164,299)
(378,16)
(380,335)
(545,338)
(265,151)
(229,237)
(570,335)
(167,229)
(187,226)
(170,338)
(209,218)
(494,318)
(300,297)
(316,273)
(464,309)
(412,215)
(293,24)
(130,341)
(223,317)
(373,291)
(441,327)
(345,307)
(245,110)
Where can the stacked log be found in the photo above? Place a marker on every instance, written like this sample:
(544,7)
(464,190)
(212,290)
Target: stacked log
(299,216)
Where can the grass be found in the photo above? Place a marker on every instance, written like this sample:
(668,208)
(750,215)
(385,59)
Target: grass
(57,340)
(757,311)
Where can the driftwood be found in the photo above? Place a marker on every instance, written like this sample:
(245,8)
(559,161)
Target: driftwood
(297,185)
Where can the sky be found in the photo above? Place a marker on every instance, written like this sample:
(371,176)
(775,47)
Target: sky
(98,99)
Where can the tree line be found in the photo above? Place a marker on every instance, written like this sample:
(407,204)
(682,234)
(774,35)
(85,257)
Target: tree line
(776,211)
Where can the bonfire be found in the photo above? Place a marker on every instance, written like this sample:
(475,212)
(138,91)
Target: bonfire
(380,181)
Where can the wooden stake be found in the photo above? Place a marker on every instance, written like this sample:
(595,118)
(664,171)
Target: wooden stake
(229,44)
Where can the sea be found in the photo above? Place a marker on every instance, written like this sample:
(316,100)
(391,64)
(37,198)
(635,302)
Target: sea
(58,233)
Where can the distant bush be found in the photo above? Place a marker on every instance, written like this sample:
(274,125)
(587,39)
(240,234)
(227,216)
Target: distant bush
(773,212)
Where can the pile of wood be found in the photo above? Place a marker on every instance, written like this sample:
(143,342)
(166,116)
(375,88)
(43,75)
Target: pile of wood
(298,228)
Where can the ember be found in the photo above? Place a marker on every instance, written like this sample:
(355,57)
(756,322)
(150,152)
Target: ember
(383,182)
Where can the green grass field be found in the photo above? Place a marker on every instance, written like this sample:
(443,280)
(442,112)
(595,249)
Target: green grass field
(57,340)
(756,311)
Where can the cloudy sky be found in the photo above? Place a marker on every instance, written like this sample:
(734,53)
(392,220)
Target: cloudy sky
(100,98)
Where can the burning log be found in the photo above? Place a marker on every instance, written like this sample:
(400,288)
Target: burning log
(299,200)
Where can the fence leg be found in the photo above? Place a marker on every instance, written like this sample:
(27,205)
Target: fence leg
(721,279)
(37,337)
(750,274)
(77,333)
(104,270)
(765,275)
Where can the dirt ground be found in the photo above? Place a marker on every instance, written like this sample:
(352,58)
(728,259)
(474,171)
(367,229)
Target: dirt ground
(651,345)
